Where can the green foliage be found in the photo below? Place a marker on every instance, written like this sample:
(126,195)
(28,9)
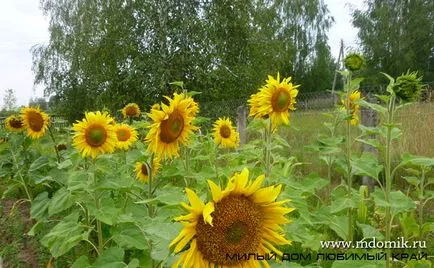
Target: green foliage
(396,36)
(110,53)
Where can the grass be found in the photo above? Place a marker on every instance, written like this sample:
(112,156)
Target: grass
(416,122)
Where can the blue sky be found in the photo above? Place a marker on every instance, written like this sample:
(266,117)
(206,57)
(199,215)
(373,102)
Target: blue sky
(22,25)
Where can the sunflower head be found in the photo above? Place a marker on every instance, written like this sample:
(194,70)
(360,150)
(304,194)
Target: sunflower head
(126,136)
(142,171)
(408,86)
(95,134)
(225,134)
(172,125)
(274,100)
(61,147)
(35,121)
(242,218)
(353,107)
(131,110)
(354,62)
(14,123)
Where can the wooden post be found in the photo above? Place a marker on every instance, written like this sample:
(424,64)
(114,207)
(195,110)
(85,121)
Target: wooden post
(369,118)
(242,123)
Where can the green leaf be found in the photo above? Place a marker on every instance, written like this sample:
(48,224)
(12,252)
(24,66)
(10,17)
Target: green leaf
(61,201)
(177,83)
(370,231)
(81,262)
(111,258)
(399,202)
(39,209)
(366,165)
(161,233)
(339,224)
(372,142)
(107,212)
(409,159)
(65,164)
(129,236)
(409,225)
(373,106)
(64,236)
(413,180)
(39,163)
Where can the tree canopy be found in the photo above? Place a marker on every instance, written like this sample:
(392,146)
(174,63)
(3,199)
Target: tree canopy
(397,35)
(108,53)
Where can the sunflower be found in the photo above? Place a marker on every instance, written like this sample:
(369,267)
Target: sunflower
(14,123)
(225,134)
(142,171)
(131,110)
(35,121)
(94,134)
(274,100)
(172,125)
(242,218)
(354,107)
(126,136)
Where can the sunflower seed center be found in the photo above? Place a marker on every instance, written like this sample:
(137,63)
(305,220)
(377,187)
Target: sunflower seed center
(16,123)
(172,127)
(280,100)
(96,135)
(123,135)
(131,111)
(237,225)
(36,121)
(225,131)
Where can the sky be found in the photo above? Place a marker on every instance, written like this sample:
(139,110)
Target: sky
(23,25)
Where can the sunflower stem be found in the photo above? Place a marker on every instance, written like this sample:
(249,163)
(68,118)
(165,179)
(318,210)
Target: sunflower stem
(99,229)
(390,110)
(187,167)
(149,167)
(22,181)
(348,155)
(267,137)
(55,144)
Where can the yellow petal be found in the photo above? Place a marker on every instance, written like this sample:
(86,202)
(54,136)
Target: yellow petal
(209,208)
(194,199)
(216,191)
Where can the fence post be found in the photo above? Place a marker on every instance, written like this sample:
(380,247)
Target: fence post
(242,122)
(369,118)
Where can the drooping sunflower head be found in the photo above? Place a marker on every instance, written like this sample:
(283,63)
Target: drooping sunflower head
(275,100)
(354,62)
(95,134)
(35,121)
(131,110)
(61,147)
(408,86)
(126,136)
(142,171)
(225,134)
(172,125)
(242,218)
(14,123)
(353,107)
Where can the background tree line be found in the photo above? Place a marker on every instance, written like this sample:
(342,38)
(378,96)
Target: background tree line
(107,53)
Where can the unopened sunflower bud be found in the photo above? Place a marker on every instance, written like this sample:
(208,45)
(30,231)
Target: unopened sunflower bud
(354,62)
(408,86)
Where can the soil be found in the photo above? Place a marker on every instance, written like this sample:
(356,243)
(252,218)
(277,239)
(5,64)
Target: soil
(27,252)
